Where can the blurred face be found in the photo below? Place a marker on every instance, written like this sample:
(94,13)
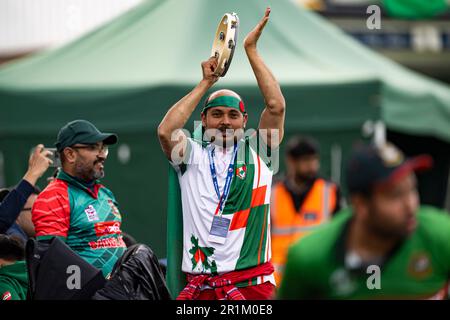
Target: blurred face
(391,211)
(304,168)
(87,161)
(24,219)
(226,120)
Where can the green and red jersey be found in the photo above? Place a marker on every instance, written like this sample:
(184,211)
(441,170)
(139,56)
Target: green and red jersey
(13,281)
(247,208)
(418,268)
(87,219)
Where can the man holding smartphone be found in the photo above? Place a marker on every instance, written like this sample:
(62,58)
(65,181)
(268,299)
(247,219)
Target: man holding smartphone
(75,207)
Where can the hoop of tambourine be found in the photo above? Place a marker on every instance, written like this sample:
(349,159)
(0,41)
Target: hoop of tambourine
(225,42)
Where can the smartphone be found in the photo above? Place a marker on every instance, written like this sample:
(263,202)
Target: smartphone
(54,157)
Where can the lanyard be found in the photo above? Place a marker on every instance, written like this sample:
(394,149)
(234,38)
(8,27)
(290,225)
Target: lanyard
(230,173)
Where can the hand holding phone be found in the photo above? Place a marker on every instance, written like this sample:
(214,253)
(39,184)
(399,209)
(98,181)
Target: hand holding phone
(54,157)
(40,160)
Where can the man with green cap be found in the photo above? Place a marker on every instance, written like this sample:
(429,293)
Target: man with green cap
(225,184)
(75,206)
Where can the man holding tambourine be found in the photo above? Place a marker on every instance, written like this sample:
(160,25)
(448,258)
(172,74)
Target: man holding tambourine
(225,177)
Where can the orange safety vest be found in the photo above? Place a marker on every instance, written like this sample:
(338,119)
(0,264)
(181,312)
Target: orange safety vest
(289,225)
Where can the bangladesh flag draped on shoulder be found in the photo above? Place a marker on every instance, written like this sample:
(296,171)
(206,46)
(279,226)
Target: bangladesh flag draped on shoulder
(176,279)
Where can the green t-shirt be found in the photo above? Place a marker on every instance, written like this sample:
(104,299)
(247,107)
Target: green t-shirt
(418,268)
(14,281)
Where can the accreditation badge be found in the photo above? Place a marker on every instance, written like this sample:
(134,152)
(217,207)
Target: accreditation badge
(219,229)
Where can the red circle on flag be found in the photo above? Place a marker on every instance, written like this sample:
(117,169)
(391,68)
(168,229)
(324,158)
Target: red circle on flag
(241,106)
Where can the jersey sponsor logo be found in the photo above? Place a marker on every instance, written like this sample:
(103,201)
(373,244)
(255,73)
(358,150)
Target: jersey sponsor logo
(107,243)
(241,172)
(7,296)
(106,228)
(419,266)
(91,213)
(114,210)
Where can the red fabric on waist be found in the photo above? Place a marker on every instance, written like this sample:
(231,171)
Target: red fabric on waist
(263,291)
(223,285)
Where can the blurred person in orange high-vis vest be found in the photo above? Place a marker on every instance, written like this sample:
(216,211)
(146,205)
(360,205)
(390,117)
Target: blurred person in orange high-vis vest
(301,201)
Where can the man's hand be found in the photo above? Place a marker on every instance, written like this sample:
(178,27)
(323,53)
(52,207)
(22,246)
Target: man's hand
(272,116)
(38,164)
(208,68)
(252,38)
(179,113)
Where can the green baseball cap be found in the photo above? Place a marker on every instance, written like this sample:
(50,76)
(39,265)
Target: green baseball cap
(82,131)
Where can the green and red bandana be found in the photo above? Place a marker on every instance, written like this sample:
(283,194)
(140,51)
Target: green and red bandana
(226,101)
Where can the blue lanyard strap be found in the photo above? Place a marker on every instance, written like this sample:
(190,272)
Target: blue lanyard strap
(230,173)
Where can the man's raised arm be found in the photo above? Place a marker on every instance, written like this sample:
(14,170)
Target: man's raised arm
(272,116)
(179,113)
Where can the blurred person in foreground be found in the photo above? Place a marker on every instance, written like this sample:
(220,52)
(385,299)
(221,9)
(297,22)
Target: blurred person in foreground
(16,203)
(13,272)
(225,185)
(302,201)
(385,247)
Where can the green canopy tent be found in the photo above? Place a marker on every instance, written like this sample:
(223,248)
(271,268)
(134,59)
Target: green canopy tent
(125,75)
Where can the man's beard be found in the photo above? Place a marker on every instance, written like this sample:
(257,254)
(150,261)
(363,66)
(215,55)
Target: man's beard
(88,173)
(304,178)
(381,230)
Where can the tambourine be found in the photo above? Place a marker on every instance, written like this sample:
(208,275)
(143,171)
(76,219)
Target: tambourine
(225,42)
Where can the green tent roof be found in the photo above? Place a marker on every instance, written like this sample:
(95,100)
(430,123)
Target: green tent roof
(161,43)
